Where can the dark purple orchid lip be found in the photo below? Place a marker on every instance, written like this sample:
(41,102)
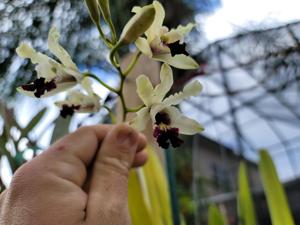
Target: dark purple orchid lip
(40,86)
(68,110)
(164,134)
(162,118)
(174,48)
(165,137)
(177,48)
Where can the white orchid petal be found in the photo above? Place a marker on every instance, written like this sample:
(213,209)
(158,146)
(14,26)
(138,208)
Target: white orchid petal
(26,51)
(163,30)
(136,9)
(87,103)
(191,89)
(177,34)
(178,61)
(144,89)
(64,71)
(141,120)
(166,82)
(27,93)
(72,98)
(143,45)
(86,84)
(154,29)
(58,50)
(60,104)
(75,97)
(184,124)
(90,104)
(47,69)
(45,65)
(47,94)
(60,87)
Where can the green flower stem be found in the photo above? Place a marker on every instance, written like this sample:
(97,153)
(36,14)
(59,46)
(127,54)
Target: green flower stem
(112,56)
(133,110)
(103,37)
(101,82)
(125,110)
(120,93)
(113,32)
(122,76)
(132,63)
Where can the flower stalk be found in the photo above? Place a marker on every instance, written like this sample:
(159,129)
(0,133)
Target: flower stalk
(133,63)
(87,74)
(146,31)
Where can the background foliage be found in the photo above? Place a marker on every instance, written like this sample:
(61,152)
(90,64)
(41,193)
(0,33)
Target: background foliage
(30,21)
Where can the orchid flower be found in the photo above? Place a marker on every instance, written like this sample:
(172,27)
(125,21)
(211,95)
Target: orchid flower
(163,44)
(77,101)
(52,76)
(167,120)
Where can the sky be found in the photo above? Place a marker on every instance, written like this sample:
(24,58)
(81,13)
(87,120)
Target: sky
(237,15)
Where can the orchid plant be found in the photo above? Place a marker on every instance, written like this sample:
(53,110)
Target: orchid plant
(146,31)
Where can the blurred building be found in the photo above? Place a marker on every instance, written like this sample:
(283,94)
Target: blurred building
(215,170)
(215,177)
(217,166)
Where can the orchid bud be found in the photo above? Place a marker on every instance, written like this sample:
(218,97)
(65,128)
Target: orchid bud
(104,7)
(137,25)
(93,10)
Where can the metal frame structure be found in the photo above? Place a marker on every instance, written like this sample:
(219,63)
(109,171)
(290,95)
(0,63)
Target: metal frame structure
(252,94)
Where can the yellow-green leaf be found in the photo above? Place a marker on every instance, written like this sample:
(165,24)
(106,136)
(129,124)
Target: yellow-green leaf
(139,212)
(149,201)
(276,197)
(61,128)
(215,217)
(34,121)
(246,210)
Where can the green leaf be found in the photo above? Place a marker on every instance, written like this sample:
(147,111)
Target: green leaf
(276,197)
(34,121)
(9,118)
(19,158)
(4,152)
(148,193)
(245,202)
(215,217)
(61,128)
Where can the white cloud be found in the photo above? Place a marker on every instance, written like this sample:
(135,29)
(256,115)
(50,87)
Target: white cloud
(236,14)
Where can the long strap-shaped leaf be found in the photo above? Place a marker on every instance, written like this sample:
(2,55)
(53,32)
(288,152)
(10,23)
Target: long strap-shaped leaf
(61,128)
(33,122)
(276,197)
(215,217)
(159,211)
(245,202)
